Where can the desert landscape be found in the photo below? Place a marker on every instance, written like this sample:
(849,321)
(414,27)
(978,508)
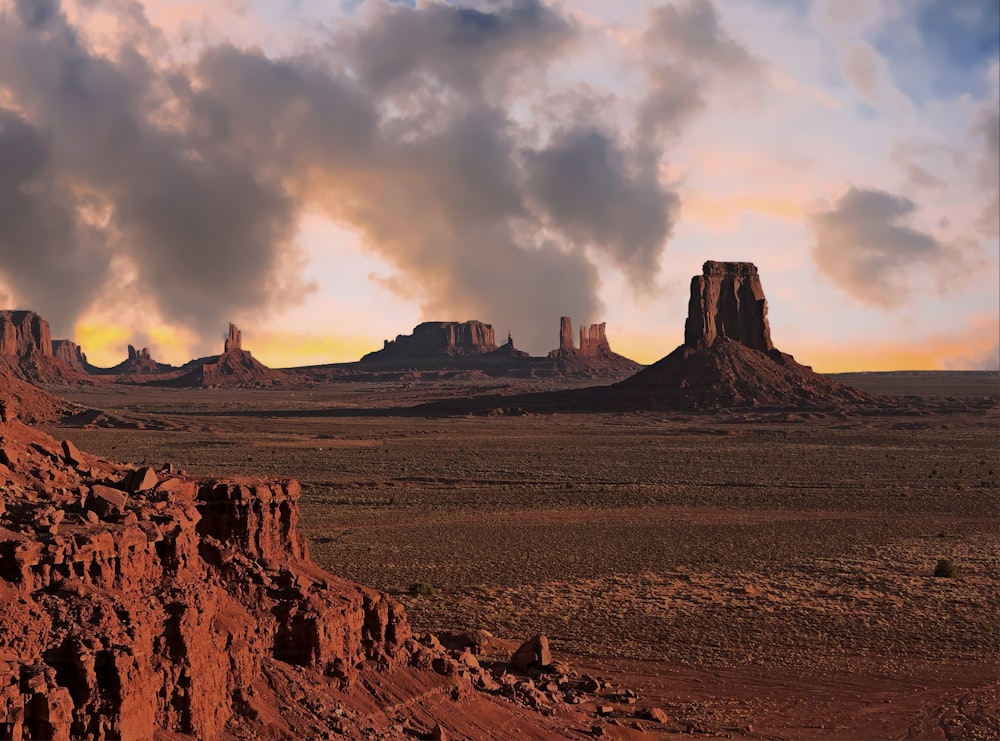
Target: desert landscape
(725,544)
(403,369)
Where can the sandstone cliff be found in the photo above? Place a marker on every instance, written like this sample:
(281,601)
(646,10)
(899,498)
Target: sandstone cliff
(149,605)
(71,354)
(26,349)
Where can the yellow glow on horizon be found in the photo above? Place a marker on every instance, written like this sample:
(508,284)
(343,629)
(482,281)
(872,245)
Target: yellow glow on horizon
(101,342)
(289,350)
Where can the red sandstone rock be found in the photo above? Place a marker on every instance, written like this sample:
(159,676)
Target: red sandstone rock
(727,300)
(532,654)
(565,333)
(141,479)
(435,340)
(71,454)
(26,349)
(234,341)
(105,501)
(70,353)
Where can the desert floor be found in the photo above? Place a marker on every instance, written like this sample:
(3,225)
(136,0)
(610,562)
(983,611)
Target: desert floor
(755,575)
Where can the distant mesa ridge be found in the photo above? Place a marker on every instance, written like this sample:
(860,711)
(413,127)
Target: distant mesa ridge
(437,340)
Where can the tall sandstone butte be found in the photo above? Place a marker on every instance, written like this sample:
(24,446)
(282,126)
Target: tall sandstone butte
(727,300)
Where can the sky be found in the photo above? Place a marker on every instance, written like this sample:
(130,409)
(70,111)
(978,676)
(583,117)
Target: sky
(329,174)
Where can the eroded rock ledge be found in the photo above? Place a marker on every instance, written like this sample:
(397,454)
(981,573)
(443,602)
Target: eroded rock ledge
(130,613)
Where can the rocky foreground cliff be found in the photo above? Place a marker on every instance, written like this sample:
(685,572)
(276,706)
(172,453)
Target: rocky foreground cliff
(146,604)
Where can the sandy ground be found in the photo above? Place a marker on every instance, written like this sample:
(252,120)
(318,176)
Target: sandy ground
(754,575)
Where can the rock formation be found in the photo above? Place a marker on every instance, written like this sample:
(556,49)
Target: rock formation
(593,358)
(593,341)
(148,605)
(728,359)
(436,340)
(727,300)
(566,333)
(71,354)
(235,367)
(24,334)
(26,349)
(234,342)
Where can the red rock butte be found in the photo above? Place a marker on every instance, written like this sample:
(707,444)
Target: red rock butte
(727,300)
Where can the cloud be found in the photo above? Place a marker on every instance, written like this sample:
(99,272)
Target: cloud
(865,246)
(204,235)
(685,49)
(50,256)
(602,195)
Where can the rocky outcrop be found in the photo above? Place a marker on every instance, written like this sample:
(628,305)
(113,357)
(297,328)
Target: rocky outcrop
(71,354)
(26,349)
(128,615)
(728,359)
(726,362)
(566,333)
(142,604)
(24,334)
(235,367)
(234,342)
(727,300)
(436,340)
(21,401)
(593,358)
(593,341)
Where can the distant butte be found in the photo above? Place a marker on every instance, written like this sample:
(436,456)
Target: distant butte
(728,359)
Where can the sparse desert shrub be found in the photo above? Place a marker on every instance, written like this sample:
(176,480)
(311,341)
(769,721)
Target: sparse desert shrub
(422,588)
(945,568)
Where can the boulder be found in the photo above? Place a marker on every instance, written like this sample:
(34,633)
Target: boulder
(532,654)
(105,501)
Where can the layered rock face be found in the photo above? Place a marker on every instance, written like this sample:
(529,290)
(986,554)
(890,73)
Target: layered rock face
(432,340)
(727,300)
(24,334)
(26,349)
(71,354)
(137,603)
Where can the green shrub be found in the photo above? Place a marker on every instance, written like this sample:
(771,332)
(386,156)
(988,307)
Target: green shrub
(421,587)
(945,568)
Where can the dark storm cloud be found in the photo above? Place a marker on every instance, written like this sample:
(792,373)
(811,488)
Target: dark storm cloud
(402,127)
(602,195)
(205,232)
(864,246)
(51,259)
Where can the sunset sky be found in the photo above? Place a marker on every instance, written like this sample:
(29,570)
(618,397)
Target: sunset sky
(328,174)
